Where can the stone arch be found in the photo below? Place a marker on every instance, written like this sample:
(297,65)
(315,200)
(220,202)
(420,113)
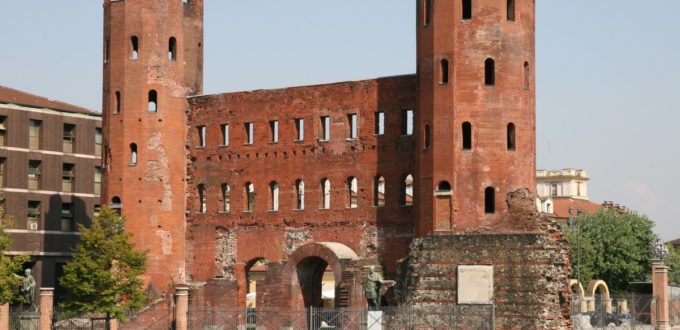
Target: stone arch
(577,289)
(594,286)
(310,260)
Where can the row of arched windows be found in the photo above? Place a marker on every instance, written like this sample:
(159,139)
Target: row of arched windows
(152,102)
(489,73)
(466,10)
(134,48)
(325,189)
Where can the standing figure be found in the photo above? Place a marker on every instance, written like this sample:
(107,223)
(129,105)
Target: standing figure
(28,287)
(372,289)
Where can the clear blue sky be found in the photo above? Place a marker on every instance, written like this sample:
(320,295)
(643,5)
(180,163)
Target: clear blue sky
(608,72)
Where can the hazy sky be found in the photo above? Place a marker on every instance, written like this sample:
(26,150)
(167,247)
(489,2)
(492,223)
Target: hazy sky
(607,72)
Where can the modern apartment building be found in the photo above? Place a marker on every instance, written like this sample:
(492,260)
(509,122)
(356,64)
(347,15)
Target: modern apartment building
(50,176)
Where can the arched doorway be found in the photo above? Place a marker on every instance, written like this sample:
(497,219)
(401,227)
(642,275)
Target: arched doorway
(256,272)
(317,282)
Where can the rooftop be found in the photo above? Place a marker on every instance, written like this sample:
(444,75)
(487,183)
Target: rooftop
(17,97)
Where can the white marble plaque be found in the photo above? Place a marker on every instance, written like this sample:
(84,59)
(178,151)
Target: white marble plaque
(475,284)
(374,320)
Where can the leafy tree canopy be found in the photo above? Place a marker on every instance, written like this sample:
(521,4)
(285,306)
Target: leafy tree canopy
(9,265)
(104,274)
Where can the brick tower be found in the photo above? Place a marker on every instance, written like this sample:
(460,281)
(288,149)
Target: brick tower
(153,60)
(476,110)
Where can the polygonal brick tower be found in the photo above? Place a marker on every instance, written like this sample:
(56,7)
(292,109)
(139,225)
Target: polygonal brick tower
(476,111)
(153,60)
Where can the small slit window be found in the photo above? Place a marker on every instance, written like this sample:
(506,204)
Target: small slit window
(407,122)
(426,137)
(379,191)
(427,12)
(445,71)
(379,123)
(489,72)
(273,196)
(326,128)
(299,129)
(353,189)
(201,136)
(172,49)
(467,136)
(134,44)
(353,129)
(407,190)
(511,10)
(153,101)
(250,196)
(467,9)
(274,128)
(133,154)
(511,136)
(225,134)
(490,200)
(249,132)
(325,194)
(116,103)
(527,77)
(202,205)
(299,194)
(226,200)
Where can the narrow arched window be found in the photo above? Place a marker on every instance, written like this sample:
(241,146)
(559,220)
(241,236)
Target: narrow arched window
(490,200)
(489,72)
(226,200)
(325,194)
(426,137)
(467,136)
(353,189)
(202,205)
(133,154)
(527,76)
(172,49)
(116,205)
(299,194)
(250,196)
(427,12)
(116,103)
(134,44)
(511,10)
(153,101)
(467,9)
(444,186)
(379,191)
(445,71)
(407,190)
(511,136)
(273,196)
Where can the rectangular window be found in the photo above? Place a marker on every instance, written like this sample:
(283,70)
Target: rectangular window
(407,122)
(69,138)
(98,141)
(379,123)
(553,189)
(33,174)
(33,215)
(97,180)
(68,177)
(67,217)
(3,130)
(34,134)
(225,134)
(97,210)
(274,128)
(299,129)
(201,136)
(250,127)
(353,129)
(326,128)
(2,172)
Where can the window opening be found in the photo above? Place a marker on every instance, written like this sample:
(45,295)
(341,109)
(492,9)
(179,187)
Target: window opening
(353,129)
(2,171)
(97,180)
(67,217)
(133,154)
(427,12)
(407,190)
(250,197)
(326,128)
(97,210)
(444,186)
(201,136)
(134,43)
(299,129)
(379,123)
(249,133)
(407,122)
(3,130)
(490,200)
(467,136)
(527,83)
(34,173)
(379,191)
(511,10)
(325,194)
(489,72)
(68,177)
(445,71)
(116,204)
(553,189)
(33,215)
(274,196)
(226,200)
(426,137)
(34,134)
(353,189)
(511,136)
(300,194)
(274,128)
(467,9)
(116,103)
(153,101)
(225,134)
(98,141)
(69,138)
(203,206)
(172,49)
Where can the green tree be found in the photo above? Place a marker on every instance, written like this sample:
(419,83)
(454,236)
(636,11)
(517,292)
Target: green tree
(611,246)
(673,263)
(9,265)
(104,275)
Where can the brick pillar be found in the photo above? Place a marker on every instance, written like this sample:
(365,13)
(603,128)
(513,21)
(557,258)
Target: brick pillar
(46,308)
(4,317)
(181,307)
(660,290)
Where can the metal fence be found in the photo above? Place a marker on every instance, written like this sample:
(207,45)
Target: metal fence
(600,312)
(398,318)
(24,317)
(674,305)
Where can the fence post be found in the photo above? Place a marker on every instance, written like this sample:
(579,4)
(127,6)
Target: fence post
(46,308)
(660,290)
(4,317)
(181,307)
